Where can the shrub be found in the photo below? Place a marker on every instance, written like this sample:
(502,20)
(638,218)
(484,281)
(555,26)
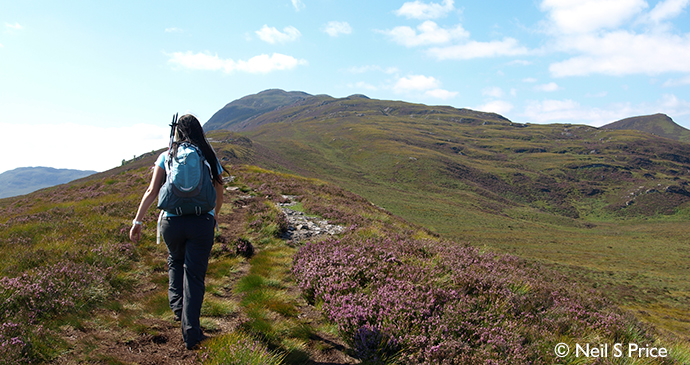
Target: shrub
(51,290)
(13,344)
(444,301)
(244,248)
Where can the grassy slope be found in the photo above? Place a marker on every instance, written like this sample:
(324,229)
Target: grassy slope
(658,124)
(589,201)
(73,289)
(123,306)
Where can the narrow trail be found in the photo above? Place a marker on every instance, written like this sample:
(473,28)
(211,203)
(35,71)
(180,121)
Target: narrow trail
(109,338)
(133,335)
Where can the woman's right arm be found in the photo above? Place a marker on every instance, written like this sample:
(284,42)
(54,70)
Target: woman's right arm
(149,197)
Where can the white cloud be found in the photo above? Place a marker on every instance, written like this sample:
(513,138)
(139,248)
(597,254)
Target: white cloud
(519,63)
(496,106)
(569,111)
(550,87)
(429,33)
(200,61)
(665,10)
(494,91)
(529,80)
(173,30)
(419,10)
(677,82)
(430,86)
(416,82)
(273,35)
(15,26)
(426,33)
(298,5)
(674,106)
(592,31)
(335,28)
(258,64)
(441,94)
(584,16)
(470,50)
(624,53)
(113,143)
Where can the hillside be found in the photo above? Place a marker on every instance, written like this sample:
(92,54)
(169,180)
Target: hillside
(608,207)
(461,238)
(658,124)
(24,180)
(75,290)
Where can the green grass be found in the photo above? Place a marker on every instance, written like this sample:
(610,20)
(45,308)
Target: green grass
(524,191)
(264,297)
(639,261)
(217,308)
(158,303)
(239,348)
(73,236)
(223,266)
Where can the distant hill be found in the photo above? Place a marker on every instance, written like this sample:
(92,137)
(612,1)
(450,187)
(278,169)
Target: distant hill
(468,162)
(659,124)
(237,115)
(24,180)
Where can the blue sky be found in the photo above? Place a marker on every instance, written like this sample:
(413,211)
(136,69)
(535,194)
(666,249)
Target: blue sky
(80,76)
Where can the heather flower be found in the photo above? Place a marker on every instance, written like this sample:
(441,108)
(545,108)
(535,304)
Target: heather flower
(51,290)
(436,301)
(244,248)
(374,345)
(12,343)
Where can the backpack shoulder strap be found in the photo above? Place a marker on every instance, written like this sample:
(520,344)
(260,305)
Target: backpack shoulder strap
(168,164)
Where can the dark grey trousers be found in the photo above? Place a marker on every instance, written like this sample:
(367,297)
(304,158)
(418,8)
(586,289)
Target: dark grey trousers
(189,239)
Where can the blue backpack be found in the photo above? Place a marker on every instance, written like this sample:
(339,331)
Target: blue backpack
(188,187)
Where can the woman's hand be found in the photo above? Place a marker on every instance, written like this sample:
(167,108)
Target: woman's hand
(135,233)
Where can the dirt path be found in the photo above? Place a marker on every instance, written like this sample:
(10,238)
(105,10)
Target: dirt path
(133,335)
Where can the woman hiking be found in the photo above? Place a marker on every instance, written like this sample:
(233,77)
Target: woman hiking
(189,237)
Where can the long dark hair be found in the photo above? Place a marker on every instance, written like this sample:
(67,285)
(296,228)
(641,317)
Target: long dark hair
(189,130)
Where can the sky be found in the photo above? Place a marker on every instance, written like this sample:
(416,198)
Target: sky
(86,84)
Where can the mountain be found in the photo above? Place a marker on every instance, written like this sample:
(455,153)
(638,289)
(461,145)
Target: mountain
(499,165)
(24,180)
(238,114)
(658,124)
(582,198)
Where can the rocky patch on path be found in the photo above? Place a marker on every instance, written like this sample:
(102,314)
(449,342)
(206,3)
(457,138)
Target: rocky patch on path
(302,227)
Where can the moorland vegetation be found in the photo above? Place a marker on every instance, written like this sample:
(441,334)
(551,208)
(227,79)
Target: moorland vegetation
(607,207)
(75,290)
(467,239)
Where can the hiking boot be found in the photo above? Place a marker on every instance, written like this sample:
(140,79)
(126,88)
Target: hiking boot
(197,345)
